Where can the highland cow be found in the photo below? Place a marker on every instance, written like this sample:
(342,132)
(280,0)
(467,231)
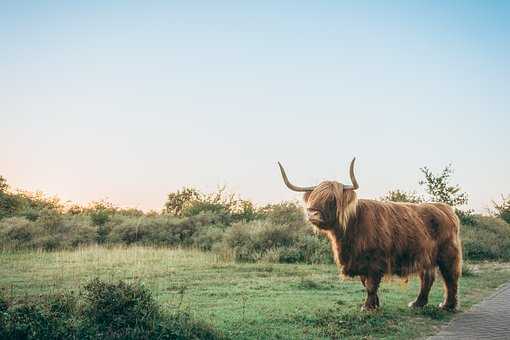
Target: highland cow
(371,239)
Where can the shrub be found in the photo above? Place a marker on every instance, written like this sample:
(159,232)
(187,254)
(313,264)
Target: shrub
(503,208)
(50,220)
(102,232)
(111,309)
(100,212)
(466,217)
(80,231)
(283,213)
(48,242)
(264,240)
(128,231)
(488,238)
(45,318)
(30,322)
(200,207)
(9,203)
(167,230)
(306,249)
(248,241)
(467,270)
(103,311)
(315,248)
(179,200)
(402,196)
(207,237)
(439,188)
(18,232)
(129,311)
(191,202)
(99,218)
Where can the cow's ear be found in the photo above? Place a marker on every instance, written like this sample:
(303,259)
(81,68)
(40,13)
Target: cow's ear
(345,204)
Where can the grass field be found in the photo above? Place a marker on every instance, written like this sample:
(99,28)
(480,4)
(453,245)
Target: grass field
(260,300)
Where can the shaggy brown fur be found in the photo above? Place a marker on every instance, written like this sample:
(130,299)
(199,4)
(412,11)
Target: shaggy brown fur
(371,238)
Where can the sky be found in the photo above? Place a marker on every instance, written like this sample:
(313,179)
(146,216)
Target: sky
(128,101)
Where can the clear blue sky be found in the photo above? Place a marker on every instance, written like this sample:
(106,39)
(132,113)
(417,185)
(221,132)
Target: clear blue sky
(131,100)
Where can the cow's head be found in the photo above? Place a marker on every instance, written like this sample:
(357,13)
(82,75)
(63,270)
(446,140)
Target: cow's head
(329,203)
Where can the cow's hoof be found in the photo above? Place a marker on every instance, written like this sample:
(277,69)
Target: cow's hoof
(369,308)
(448,307)
(417,304)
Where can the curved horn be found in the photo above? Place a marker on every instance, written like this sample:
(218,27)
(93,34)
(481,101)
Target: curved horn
(290,185)
(355,184)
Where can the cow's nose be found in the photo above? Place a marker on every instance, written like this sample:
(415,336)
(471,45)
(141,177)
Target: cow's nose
(313,215)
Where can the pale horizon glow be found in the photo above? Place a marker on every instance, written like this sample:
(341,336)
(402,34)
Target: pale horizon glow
(130,101)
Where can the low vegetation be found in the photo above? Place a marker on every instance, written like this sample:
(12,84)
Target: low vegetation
(221,222)
(101,310)
(232,300)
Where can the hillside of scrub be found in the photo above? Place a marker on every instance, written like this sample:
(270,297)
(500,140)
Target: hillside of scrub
(223,223)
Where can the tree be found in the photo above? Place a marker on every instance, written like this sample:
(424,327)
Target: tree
(503,208)
(402,196)
(100,212)
(3,185)
(9,202)
(227,206)
(181,199)
(439,188)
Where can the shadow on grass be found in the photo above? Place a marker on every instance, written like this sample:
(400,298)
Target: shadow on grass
(307,284)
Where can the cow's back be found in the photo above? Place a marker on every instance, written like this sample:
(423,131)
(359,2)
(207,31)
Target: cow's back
(441,221)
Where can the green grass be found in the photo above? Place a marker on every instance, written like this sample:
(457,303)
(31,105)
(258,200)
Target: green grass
(286,301)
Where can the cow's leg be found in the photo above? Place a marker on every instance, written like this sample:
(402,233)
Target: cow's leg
(427,279)
(450,266)
(371,284)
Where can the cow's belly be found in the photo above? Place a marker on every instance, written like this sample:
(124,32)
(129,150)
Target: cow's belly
(401,263)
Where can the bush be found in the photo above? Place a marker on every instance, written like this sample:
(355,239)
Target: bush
(48,318)
(267,241)
(79,231)
(100,212)
(48,242)
(201,230)
(9,203)
(307,248)
(466,217)
(50,220)
(439,188)
(179,200)
(503,208)
(487,238)
(48,233)
(284,213)
(208,236)
(115,309)
(402,196)
(191,202)
(467,270)
(248,241)
(103,311)
(18,232)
